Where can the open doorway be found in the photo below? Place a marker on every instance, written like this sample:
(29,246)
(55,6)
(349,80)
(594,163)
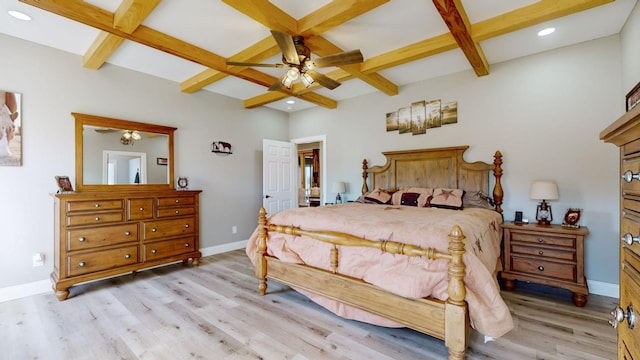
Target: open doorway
(311,179)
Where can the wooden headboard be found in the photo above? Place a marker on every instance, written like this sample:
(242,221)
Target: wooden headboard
(433,168)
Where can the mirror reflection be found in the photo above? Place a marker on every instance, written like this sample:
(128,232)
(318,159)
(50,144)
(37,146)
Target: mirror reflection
(115,156)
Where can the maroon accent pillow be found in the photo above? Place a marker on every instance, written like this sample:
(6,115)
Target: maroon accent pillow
(409,199)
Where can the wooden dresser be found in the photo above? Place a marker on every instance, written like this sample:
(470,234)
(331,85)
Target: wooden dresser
(101,234)
(625,133)
(550,255)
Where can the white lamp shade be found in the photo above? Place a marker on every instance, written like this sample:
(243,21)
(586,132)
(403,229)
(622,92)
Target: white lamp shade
(544,190)
(338,187)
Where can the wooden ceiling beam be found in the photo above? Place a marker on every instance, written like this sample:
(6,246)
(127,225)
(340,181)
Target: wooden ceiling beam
(457,21)
(267,14)
(334,14)
(127,18)
(273,96)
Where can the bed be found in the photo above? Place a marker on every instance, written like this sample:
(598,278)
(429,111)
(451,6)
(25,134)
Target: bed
(370,262)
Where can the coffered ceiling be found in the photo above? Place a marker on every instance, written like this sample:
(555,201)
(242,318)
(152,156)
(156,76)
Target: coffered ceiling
(402,41)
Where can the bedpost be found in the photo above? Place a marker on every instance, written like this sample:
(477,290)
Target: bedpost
(365,188)
(261,262)
(497,189)
(456,319)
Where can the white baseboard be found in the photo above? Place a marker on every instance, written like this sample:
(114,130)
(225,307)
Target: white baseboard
(44,286)
(603,288)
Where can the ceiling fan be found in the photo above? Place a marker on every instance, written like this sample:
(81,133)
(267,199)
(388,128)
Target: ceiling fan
(297,57)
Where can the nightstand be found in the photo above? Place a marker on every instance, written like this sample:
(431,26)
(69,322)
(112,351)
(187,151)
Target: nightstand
(550,255)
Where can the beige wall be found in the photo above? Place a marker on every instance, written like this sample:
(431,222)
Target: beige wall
(54,84)
(543,112)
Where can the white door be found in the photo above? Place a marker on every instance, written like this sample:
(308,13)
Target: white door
(278,175)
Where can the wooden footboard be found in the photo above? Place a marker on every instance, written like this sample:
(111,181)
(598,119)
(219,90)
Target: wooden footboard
(447,320)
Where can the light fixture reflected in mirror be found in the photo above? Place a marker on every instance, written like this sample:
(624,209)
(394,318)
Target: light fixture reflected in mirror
(128,137)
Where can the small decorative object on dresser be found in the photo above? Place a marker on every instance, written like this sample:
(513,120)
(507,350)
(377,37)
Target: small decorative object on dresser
(64,184)
(633,97)
(183,183)
(550,255)
(571,218)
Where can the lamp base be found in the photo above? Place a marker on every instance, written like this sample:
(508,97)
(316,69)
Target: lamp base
(544,223)
(338,199)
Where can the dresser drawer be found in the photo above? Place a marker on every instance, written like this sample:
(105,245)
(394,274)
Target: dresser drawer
(545,239)
(162,249)
(139,209)
(175,201)
(630,164)
(544,252)
(176,211)
(101,260)
(88,205)
(630,296)
(81,239)
(544,268)
(165,228)
(95,218)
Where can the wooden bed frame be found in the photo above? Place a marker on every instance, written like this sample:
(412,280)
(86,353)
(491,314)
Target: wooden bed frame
(447,320)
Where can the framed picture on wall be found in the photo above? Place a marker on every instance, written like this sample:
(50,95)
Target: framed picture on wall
(10,128)
(633,97)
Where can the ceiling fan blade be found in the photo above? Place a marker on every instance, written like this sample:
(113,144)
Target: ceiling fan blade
(277,85)
(323,80)
(285,42)
(235,63)
(343,58)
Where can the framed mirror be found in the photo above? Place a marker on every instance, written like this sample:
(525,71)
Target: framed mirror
(124,155)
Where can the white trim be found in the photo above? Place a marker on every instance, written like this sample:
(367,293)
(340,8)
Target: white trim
(323,160)
(23,290)
(219,249)
(603,288)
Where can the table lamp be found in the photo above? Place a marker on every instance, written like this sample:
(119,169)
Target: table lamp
(338,188)
(544,190)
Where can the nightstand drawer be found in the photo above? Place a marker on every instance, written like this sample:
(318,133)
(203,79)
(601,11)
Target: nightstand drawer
(541,251)
(543,268)
(546,239)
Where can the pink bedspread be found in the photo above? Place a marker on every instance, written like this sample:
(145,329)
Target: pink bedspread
(403,275)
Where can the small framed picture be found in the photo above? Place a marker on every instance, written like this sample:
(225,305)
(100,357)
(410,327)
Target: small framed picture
(162,161)
(633,97)
(571,218)
(64,184)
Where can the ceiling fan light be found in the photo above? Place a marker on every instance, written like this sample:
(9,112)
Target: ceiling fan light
(293,73)
(307,80)
(286,81)
(136,135)
(127,134)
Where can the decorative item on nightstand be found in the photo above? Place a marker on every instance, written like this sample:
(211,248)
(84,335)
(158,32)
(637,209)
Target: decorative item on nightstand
(544,190)
(338,188)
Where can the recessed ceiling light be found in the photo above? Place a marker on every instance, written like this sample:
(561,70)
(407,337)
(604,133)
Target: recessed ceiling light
(19,15)
(290,102)
(289,107)
(547,31)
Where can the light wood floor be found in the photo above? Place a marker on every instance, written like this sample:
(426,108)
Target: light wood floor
(214,312)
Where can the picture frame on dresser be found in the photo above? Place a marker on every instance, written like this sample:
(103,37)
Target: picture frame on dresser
(571,218)
(64,184)
(633,97)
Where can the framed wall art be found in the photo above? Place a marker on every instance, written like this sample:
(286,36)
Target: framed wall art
(633,97)
(10,128)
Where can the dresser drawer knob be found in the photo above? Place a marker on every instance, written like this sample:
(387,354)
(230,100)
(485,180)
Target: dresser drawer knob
(177,212)
(186,245)
(177,201)
(127,256)
(541,268)
(97,218)
(154,251)
(127,233)
(540,252)
(540,240)
(628,176)
(154,229)
(630,239)
(82,239)
(96,205)
(186,226)
(141,209)
(618,315)
(81,264)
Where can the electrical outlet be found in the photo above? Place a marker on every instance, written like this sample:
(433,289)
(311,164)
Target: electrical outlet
(38,259)
(234,229)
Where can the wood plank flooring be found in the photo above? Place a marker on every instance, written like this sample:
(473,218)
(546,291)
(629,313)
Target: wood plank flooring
(214,312)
